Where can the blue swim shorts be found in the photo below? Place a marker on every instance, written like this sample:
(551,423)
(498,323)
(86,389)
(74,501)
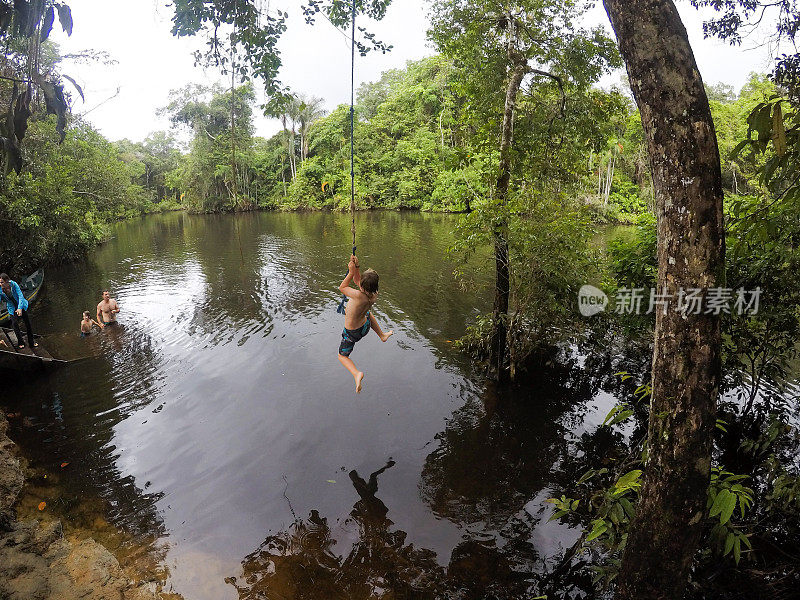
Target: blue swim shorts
(351,336)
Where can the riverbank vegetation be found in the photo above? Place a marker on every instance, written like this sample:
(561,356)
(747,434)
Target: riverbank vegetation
(63,181)
(420,145)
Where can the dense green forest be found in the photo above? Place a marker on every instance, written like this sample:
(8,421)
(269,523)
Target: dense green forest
(415,149)
(58,193)
(507,125)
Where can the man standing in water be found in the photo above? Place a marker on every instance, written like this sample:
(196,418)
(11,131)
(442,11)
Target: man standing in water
(107,310)
(17,306)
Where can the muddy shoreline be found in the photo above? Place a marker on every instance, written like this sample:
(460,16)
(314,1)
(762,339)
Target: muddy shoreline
(39,562)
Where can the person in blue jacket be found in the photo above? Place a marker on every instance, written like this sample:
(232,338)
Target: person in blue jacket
(17,306)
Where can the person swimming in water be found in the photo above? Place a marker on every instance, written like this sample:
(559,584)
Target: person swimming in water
(87,323)
(107,310)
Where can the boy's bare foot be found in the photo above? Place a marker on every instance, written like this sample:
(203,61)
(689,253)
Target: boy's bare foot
(386,336)
(359,378)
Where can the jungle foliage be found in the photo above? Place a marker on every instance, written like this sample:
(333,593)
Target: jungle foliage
(752,517)
(62,181)
(428,138)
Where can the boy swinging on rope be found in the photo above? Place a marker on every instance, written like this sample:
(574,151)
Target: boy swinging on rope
(357,320)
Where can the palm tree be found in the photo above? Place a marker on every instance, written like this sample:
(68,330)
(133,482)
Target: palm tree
(288,138)
(300,111)
(309,110)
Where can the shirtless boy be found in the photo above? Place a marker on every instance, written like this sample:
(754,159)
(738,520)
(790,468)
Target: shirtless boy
(107,310)
(86,324)
(357,320)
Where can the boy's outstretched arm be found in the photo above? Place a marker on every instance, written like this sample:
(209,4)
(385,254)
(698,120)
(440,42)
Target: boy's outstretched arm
(353,274)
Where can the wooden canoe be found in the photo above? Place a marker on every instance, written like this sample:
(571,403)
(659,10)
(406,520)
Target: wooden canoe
(30,287)
(24,359)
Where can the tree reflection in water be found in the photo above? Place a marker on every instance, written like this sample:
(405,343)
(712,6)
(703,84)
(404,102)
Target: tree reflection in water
(495,463)
(502,454)
(300,562)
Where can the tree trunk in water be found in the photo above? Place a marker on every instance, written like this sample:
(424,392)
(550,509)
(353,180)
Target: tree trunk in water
(684,159)
(502,270)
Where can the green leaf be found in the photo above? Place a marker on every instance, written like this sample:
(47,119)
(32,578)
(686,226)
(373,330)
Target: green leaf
(557,515)
(55,104)
(727,510)
(65,18)
(769,169)
(611,413)
(629,480)
(739,147)
(724,504)
(617,514)
(598,529)
(47,24)
(621,417)
(737,550)
(728,544)
(716,505)
(627,507)
(778,130)
(75,84)
(746,540)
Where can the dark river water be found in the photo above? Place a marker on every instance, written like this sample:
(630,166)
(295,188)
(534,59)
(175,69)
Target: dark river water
(218,423)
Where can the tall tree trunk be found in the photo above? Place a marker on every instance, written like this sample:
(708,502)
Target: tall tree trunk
(684,159)
(599,179)
(283,177)
(502,267)
(233,190)
(293,153)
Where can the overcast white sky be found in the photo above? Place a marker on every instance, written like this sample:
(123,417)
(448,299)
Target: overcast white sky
(151,62)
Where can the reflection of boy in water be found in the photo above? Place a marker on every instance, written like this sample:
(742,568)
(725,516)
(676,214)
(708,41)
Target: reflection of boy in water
(357,320)
(300,563)
(369,506)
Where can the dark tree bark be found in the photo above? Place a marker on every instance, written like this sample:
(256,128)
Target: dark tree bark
(687,181)
(503,273)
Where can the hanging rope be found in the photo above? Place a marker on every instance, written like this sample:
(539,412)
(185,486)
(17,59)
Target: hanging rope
(340,308)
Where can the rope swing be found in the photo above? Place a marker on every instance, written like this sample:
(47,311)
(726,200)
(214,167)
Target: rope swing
(340,309)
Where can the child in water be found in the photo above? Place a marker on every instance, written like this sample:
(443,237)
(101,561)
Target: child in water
(357,320)
(86,324)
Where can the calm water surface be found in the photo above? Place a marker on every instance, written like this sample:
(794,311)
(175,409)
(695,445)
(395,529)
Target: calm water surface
(218,420)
